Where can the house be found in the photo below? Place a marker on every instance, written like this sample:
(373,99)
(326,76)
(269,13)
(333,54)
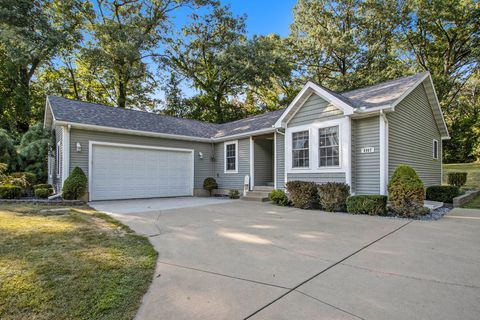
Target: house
(357,137)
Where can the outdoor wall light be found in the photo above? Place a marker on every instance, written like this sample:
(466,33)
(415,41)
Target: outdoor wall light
(200,155)
(79,147)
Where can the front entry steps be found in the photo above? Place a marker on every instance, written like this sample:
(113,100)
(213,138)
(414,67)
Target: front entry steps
(259,194)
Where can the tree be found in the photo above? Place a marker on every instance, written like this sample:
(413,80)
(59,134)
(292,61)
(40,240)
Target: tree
(463,120)
(125,36)
(33,151)
(345,44)
(31,33)
(174,101)
(221,63)
(443,37)
(8,154)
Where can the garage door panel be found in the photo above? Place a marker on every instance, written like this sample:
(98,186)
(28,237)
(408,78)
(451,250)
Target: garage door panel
(126,173)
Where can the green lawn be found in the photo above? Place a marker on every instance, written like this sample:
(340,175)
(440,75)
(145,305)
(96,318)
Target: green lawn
(81,264)
(473,170)
(473,204)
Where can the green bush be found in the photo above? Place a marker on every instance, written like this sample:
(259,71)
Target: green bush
(333,196)
(210,184)
(405,191)
(303,194)
(75,185)
(42,193)
(442,193)
(234,194)
(374,205)
(9,191)
(279,197)
(42,186)
(24,180)
(457,179)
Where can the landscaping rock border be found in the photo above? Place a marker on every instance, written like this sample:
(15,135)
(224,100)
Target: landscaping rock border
(44,202)
(464,198)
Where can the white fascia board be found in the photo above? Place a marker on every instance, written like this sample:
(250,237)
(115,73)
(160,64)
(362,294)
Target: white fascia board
(128,131)
(307,90)
(244,135)
(437,103)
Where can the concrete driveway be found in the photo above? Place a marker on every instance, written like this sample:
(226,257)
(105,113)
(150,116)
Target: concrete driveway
(241,260)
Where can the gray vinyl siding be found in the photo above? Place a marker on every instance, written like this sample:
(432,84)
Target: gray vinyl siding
(280,161)
(318,177)
(232,180)
(412,128)
(367,165)
(202,167)
(263,162)
(314,109)
(57,174)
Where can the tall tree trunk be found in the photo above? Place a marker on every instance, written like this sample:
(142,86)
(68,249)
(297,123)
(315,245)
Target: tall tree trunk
(122,94)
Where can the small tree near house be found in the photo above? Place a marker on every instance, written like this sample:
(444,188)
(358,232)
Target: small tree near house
(210,184)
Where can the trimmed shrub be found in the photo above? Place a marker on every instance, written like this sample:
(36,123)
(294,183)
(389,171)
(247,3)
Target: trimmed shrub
(234,194)
(42,193)
(210,184)
(442,193)
(75,185)
(10,191)
(42,186)
(405,191)
(457,179)
(374,205)
(279,197)
(303,194)
(333,196)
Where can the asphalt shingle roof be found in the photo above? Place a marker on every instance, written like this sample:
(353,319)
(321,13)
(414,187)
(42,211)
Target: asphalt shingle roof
(100,115)
(382,94)
(67,110)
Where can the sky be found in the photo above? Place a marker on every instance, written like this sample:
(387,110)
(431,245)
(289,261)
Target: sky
(263,16)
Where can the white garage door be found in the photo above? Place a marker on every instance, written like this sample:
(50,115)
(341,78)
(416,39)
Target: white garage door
(123,172)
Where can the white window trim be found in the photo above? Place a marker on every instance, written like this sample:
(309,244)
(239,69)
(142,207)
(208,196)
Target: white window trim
(344,129)
(339,148)
(437,150)
(297,169)
(235,142)
(57,159)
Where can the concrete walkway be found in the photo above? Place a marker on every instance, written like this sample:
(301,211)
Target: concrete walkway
(240,260)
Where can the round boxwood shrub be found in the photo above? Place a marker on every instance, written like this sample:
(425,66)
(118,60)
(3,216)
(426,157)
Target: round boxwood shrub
(10,191)
(374,205)
(210,184)
(75,185)
(442,193)
(303,194)
(279,197)
(406,192)
(457,179)
(42,193)
(333,196)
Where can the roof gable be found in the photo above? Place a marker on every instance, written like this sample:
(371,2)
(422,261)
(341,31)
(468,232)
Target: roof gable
(308,89)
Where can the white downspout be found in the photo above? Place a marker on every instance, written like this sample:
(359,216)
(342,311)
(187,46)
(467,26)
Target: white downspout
(383,153)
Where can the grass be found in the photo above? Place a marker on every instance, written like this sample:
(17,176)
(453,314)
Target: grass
(473,204)
(473,170)
(80,264)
